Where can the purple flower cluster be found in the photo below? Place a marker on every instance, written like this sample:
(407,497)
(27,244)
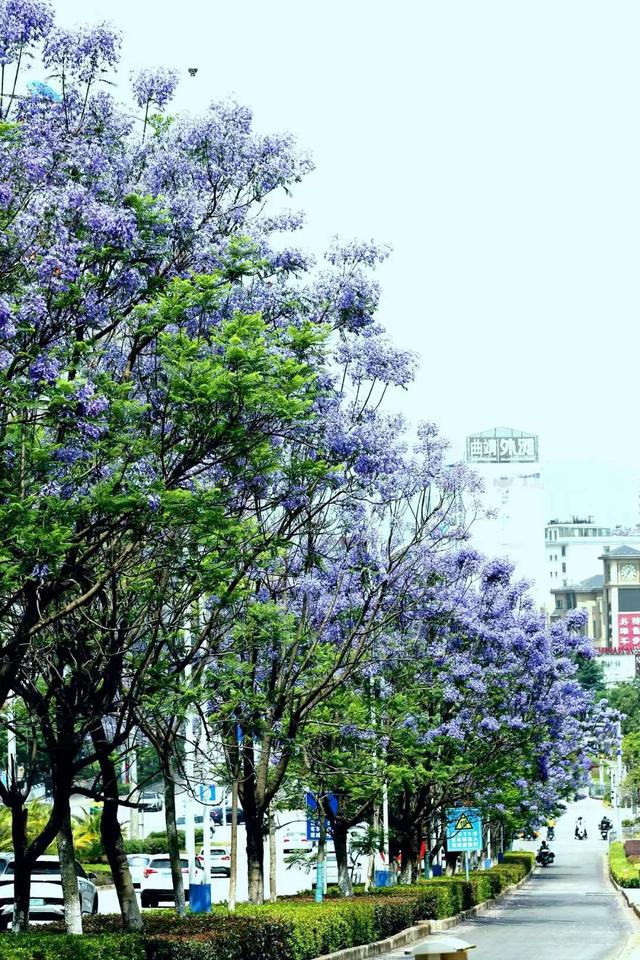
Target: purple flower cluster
(44,370)
(83,53)
(91,404)
(22,24)
(154,87)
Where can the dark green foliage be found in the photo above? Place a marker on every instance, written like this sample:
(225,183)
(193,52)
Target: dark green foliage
(49,946)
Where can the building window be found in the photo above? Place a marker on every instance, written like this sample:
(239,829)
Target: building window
(629,600)
(563,551)
(564,568)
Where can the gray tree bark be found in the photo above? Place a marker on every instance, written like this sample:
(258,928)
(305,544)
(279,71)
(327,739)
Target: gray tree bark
(173,843)
(71,893)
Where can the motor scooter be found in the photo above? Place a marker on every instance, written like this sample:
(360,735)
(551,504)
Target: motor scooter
(545,857)
(581,833)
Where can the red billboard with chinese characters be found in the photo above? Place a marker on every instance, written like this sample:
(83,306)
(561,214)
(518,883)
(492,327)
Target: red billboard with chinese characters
(629,628)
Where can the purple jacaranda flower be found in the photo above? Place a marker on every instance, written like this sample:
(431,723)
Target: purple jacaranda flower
(22,23)
(44,370)
(7,326)
(90,430)
(40,571)
(154,87)
(91,404)
(83,52)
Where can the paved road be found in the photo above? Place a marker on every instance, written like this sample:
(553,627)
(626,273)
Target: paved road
(566,912)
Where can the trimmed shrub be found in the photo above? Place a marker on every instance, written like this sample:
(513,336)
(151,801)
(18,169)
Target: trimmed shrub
(624,873)
(50,946)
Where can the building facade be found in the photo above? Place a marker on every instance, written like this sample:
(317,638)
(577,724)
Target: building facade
(573,548)
(508,462)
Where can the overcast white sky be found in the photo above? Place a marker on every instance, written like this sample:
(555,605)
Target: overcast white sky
(495,144)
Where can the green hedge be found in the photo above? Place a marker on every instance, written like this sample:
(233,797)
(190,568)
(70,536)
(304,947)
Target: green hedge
(157,843)
(55,946)
(292,929)
(624,873)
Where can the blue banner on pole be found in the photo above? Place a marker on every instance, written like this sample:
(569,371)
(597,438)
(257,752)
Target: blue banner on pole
(312,803)
(464,829)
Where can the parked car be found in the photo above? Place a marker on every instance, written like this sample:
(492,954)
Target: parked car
(220,861)
(295,841)
(137,862)
(198,820)
(156,882)
(216,815)
(150,800)
(47,900)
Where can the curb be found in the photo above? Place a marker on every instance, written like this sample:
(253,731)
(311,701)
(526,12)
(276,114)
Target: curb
(634,906)
(422,930)
(631,949)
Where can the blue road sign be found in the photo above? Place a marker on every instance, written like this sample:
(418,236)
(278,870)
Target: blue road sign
(464,829)
(313,828)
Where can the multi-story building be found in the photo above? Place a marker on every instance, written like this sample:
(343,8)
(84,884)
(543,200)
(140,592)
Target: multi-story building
(612,602)
(586,595)
(508,462)
(573,548)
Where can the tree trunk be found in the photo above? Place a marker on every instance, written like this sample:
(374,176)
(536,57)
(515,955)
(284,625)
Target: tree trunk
(340,843)
(71,893)
(273,893)
(233,870)
(410,852)
(371,862)
(22,868)
(451,860)
(112,837)
(255,855)
(173,843)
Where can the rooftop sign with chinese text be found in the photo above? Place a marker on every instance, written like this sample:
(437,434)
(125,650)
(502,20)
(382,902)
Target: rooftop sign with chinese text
(502,446)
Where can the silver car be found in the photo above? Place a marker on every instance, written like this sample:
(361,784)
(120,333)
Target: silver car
(220,861)
(47,900)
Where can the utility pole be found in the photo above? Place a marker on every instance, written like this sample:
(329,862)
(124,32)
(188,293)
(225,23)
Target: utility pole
(385,829)
(619,782)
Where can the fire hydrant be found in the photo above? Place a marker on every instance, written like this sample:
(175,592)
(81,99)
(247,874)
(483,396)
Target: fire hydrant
(442,948)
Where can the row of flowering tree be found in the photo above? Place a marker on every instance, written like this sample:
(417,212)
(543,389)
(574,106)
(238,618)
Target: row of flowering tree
(206,505)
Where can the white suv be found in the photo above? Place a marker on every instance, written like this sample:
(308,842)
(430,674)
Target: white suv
(156,884)
(47,900)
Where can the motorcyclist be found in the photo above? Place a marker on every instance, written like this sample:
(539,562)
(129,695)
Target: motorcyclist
(551,829)
(580,831)
(544,851)
(605,825)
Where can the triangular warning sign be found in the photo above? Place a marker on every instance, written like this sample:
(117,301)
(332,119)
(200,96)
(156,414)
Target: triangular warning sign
(464,823)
